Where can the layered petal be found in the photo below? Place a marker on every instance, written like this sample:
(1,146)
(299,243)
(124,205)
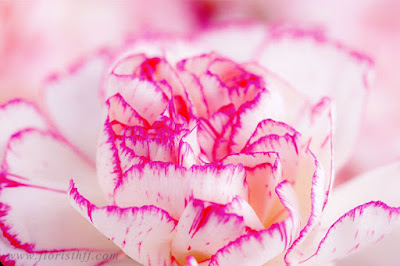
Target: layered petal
(359,224)
(17,115)
(170,187)
(318,67)
(144,233)
(199,221)
(34,187)
(78,92)
(364,225)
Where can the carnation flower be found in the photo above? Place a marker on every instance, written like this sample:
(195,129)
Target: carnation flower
(211,150)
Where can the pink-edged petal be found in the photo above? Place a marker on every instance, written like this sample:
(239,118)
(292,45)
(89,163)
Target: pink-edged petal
(197,65)
(364,225)
(121,111)
(42,220)
(195,94)
(256,248)
(293,102)
(35,213)
(74,104)
(128,64)
(15,116)
(317,132)
(211,131)
(319,67)
(144,234)
(216,94)
(377,185)
(144,96)
(109,163)
(242,208)
(270,127)
(170,187)
(288,197)
(285,146)
(264,106)
(203,229)
(311,206)
(29,159)
(263,173)
(301,168)
(189,149)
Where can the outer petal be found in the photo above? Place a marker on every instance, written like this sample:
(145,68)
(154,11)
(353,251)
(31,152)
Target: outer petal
(356,229)
(74,104)
(380,184)
(29,159)
(36,188)
(375,185)
(334,71)
(144,234)
(17,115)
(42,220)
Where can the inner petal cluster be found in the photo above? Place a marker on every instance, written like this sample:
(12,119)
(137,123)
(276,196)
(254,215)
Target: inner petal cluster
(204,141)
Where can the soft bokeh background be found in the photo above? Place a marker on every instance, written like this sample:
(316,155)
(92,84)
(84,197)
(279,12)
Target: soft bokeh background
(38,37)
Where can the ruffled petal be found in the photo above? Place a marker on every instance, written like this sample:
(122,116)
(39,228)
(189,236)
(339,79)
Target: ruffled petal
(335,71)
(170,187)
(17,115)
(144,96)
(121,111)
(256,248)
(35,185)
(264,106)
(144,233)
(74,104)
(203,229)
(263,174)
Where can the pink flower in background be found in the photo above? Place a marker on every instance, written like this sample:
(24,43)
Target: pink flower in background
(196,151)
(41,36)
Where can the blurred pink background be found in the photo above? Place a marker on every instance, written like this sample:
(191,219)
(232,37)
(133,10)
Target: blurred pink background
(39,37)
